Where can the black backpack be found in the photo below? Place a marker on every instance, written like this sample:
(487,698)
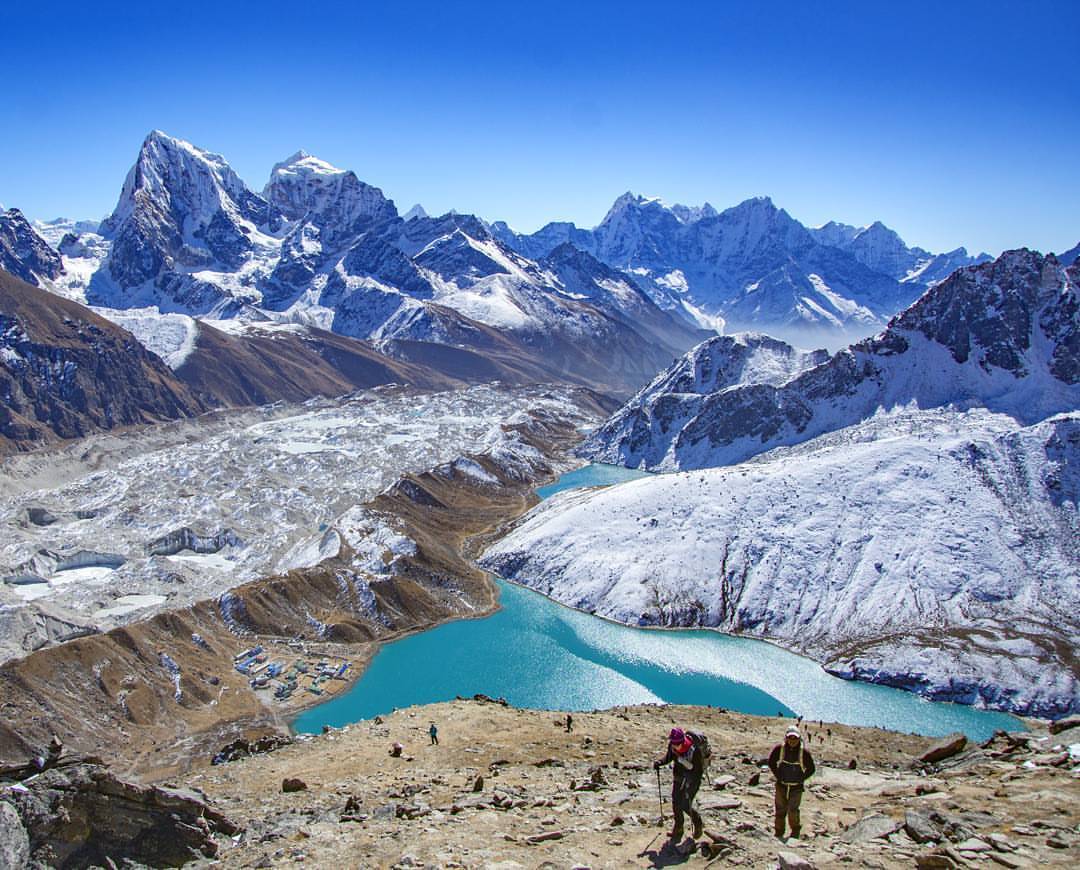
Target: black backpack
(703,749)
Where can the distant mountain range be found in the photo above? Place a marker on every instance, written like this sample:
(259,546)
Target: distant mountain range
(754,267)
(1003,335)
(319,247)
(192,260)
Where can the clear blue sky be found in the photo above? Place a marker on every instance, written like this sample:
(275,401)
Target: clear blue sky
(954,123)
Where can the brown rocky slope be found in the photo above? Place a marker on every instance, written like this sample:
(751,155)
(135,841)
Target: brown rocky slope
(65,371)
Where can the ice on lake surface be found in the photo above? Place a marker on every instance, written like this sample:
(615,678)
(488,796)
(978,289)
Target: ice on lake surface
(537,653)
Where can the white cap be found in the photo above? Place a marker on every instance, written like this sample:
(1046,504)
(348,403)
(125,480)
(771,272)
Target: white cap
(793,732)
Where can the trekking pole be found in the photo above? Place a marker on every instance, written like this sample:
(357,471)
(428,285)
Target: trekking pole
(660,794)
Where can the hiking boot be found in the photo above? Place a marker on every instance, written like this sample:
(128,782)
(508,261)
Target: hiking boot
(795,833)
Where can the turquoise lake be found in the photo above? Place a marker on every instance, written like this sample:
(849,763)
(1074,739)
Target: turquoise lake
(541,655)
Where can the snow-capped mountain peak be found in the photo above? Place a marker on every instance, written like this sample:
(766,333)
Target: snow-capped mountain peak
(335,200)
(184,207)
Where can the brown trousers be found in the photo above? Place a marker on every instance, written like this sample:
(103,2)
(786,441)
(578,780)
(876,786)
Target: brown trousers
(788,798)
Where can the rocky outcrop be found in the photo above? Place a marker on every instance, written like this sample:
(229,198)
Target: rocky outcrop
(83,815)
(23,252)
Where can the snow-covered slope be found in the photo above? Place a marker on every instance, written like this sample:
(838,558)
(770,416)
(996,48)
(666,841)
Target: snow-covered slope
(905,512)
(1003,335)
(934,550)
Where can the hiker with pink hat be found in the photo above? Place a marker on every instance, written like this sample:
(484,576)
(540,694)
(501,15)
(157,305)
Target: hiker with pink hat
(688,767)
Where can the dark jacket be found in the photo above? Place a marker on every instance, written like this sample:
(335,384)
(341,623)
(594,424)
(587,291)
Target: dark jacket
(689,767)
(791,766)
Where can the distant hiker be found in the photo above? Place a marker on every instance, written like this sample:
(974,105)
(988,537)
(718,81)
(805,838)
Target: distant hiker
(434,732)
(792,765)
(688,768)
(51,756)
(569,723)
(396,749)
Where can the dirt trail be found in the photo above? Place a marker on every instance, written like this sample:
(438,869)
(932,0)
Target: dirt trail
(589,798)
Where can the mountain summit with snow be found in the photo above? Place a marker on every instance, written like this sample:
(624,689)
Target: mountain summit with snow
(754,267)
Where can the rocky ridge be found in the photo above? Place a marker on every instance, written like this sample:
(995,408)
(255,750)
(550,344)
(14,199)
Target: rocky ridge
(511,788)
(23,253)
(1003,335)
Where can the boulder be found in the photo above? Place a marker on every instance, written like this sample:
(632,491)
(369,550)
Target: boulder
(791,861)
(935,861)
(1001,843)
(723,781)
(724,803)
(83,815)
(291,783)
(14,841)
(871,826)
(947,747)
(920,828)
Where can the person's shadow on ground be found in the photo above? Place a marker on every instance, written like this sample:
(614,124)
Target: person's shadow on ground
(669,854)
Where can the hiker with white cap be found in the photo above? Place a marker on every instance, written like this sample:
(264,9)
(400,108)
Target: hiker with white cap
(792,765)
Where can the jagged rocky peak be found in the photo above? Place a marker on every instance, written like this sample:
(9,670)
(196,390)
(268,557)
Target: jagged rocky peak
(417,211)
(689,214)
(759,219)
(1070,256)
(24,253)
(1019,313)
(182,206)
(333,199)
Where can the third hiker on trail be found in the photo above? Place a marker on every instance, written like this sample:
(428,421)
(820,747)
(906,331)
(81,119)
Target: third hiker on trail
(688,767)
(792,765)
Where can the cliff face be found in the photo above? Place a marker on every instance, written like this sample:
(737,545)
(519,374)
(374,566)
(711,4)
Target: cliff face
(65,372)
